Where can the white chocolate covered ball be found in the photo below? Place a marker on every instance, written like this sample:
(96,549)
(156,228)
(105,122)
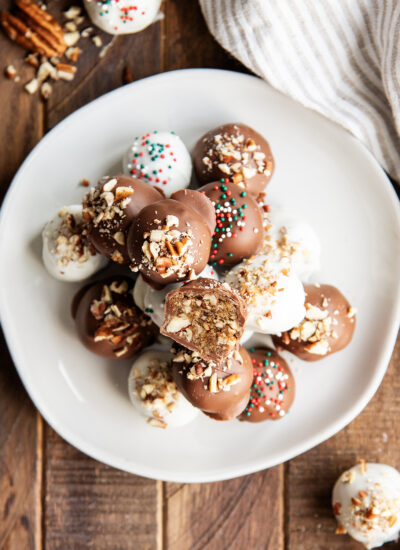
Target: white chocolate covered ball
(122,16)
(272,291)
(66,254)
(152,301)
(287,236)
(160,159)
(366,503)
(153,392)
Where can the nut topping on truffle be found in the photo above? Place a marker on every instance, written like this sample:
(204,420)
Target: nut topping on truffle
(237,152)
(109,323)
(109,209)
(207,317)
(327,327)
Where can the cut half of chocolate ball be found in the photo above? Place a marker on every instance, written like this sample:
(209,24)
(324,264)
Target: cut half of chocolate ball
(221,392)
(207,317)
(109,209)
(327,327)
(273,388)
(108,322)
(237,152)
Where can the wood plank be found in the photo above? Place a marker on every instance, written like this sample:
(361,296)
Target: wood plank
(187,41)
(88,504)
(373,436)
(96,75)
(20,462)
(246,512)
(20,424)
(91,505)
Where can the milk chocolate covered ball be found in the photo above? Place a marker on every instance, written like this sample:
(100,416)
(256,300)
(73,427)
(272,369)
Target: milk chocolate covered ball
(220,392)
(327,327)
(169,240)
(109,209)
(239,231)
(272,391)
(108,322)
(237,152)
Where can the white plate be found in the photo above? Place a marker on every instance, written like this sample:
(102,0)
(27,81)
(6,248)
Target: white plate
(322,172)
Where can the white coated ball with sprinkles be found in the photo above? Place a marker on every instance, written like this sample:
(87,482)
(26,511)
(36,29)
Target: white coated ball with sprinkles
(160,159)
(122,16)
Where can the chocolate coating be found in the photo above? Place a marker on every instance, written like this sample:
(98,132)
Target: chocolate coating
(108,322)
(203,376)
(167,240)
(117,206)
(273,388)
(237,152)
(328,325)
(239,230)
(200,203)
(207,317)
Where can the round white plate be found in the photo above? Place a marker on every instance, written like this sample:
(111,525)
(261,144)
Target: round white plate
(322,173)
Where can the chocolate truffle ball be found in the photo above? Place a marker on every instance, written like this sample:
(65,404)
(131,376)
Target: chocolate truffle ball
(237,152)
(67,254)
(220,392)
(109,209)
(239,230)
(108,322)
(327,327)
(160,159)
(122,16)
(207,317)
(366,504)
(273,293)
(153,392)
(273,388)
(169,240)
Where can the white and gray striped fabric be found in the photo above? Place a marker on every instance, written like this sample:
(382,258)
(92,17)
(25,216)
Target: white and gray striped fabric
(338,57)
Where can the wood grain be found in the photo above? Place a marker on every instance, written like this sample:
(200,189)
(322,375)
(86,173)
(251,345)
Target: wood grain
(91,505)
(187,42)
(20,462)
(246,512)
(20,425)
(225,515)
(54,497)
(97,75)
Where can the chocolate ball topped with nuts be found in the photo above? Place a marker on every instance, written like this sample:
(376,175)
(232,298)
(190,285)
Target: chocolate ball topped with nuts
(239,230)
(170,240)
(237,152)
(109,209)
(272,391)
(108,322)
(221,392)
(327,327)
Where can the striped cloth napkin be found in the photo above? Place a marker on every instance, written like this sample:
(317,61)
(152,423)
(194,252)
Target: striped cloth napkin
(338,57)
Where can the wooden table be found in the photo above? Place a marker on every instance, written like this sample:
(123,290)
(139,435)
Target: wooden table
(54,497)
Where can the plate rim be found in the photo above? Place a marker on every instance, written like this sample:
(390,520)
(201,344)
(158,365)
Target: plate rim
(255,465)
